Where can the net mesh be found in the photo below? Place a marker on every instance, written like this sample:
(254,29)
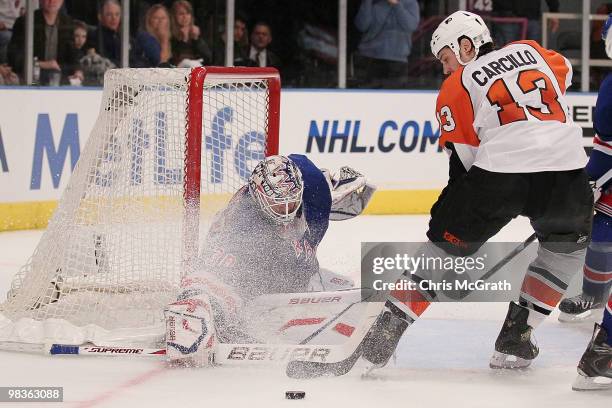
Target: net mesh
(113,254)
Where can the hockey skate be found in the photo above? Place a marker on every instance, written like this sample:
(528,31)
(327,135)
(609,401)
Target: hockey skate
(383,337)
(514,347)
(579,308)
(595,366)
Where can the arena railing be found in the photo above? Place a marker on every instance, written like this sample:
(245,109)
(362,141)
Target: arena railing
(585,60)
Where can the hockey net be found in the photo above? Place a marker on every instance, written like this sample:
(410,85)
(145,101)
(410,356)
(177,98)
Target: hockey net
(168,149)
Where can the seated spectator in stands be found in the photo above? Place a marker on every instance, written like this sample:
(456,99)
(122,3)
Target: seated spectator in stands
(106,40)
(78,51)
(241,45)
(386,42)
(259,54)
(7,76)
(152,47)
(504,33)
(10,10)
(187,44)
(52,39)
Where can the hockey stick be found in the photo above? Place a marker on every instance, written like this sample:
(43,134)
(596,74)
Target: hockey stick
(347,356)
(503,262)
(602,180)
(227,354)
(230,353)
(305,369)
(64,349)
(308,369)
(596,185)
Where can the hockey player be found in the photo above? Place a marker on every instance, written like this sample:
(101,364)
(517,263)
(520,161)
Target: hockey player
(263,242)
(513,151)
(597,272)
(595,367)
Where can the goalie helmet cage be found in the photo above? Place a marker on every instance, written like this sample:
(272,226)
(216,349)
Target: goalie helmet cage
(169,148)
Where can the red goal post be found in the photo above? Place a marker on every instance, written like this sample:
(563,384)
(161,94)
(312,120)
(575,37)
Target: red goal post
(194,127)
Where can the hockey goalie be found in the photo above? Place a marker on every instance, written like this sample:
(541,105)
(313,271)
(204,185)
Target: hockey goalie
(263,242)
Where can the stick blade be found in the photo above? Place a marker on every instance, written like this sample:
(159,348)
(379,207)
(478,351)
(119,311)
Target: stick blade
(312,369)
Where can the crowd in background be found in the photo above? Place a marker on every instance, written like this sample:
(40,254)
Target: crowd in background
(76,41)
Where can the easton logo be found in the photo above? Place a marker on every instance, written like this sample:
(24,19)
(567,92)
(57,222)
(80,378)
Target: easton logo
(115,350)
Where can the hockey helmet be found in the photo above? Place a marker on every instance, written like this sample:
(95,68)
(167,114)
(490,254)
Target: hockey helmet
(606,34)
(276,185)
(457,25)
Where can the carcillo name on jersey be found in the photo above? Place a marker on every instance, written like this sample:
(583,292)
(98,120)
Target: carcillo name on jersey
(502,65)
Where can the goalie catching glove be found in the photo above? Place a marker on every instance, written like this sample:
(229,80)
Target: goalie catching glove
(350,192)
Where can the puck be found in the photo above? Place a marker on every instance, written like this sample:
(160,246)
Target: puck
(295,395)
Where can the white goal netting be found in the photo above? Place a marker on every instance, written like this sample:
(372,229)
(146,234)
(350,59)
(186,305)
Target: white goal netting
(123,234)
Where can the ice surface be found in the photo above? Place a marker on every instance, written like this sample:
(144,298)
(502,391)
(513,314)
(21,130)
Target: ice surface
(442,361)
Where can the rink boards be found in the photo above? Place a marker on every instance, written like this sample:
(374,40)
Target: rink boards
(391,136)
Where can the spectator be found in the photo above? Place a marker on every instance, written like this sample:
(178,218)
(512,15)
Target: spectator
(52,39)
(504,33)
(241,45)
(7,76)
(73,69)
(10,10)
(152,46)
(259,54)
(106,40)
(386,27)
(187,44)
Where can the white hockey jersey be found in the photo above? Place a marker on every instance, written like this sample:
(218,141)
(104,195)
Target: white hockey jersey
(507,112)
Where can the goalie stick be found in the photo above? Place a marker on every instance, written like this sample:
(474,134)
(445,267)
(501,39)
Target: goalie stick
(226,355)
(311,369)
(229,353)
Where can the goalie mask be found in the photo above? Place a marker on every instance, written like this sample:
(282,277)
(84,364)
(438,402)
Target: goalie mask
(454,27)
(276,184)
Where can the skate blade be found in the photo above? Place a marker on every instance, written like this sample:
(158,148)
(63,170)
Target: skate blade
(584,383)
(580,317)
(508,361)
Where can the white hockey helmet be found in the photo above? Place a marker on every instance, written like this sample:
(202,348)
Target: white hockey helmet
(457,25)
(277,186)
(606,34)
